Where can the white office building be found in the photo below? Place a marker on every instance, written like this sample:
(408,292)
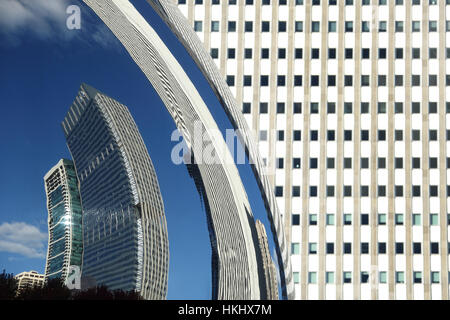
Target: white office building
(350,101)
(29,279)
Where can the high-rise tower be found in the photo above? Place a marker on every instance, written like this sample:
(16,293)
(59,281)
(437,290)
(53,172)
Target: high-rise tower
(349,100)
(270,291)
(124,227)
(65,239)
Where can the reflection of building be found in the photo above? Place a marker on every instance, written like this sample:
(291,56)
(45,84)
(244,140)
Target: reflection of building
(270,272)
(65,244)
(232,228)
(124,227)
(28,280)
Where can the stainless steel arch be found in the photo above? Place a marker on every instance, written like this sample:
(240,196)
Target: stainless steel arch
(176,21)
(234,237)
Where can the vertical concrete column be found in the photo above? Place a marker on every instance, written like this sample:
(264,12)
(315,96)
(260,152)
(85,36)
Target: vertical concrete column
(323,149)
(273,91)
(256,67)
(443,154)
(373,144)
(223,38)
(340,151)
(305,157)
(289,122)
(408,157)
(391,142)
(191,12)
(240,54)
(425,156)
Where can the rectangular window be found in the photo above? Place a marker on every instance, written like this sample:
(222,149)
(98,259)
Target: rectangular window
(198,26)
(382,276)
(215,26)
(329,277)
(434,219)
(435,277)
(315,26)
(296,191)
(381,247)
(312,248)
(399,220)
(347,277)
(330,219)
(417,277)
(400,277)
(296,276)
(263,107)
(348,26)
(295,219)
(296,248)
(265,26)
(364,277)
(416,219)
(313,219)
(331,26)
(231,26)
(312,277)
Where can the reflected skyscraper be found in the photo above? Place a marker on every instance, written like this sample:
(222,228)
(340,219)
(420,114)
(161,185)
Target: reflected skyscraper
(124,226)
(65,238)
(270,286)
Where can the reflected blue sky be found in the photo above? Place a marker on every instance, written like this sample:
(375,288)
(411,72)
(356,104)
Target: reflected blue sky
(39,78)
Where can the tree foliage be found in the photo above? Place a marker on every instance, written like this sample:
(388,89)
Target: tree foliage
(8,286)
(55,289)
(102,293)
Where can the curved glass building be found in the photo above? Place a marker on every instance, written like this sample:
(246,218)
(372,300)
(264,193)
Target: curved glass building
(65,240)
(124,226)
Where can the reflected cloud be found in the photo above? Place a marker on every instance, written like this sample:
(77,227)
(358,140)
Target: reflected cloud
(23,239)
(47,21)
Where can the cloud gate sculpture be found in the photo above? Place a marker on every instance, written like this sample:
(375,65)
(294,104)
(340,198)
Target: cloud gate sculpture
(236,254)
(176,21)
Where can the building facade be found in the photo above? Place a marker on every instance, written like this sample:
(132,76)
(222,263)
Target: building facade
(349,102)
(29,279)
(124,227)
(270,272)
(65,239)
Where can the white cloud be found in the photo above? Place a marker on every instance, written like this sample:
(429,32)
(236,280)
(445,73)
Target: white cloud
(41,18)
(104,37)
(46,21)
(24,239)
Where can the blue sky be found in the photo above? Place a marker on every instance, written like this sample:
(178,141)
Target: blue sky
(42,64)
